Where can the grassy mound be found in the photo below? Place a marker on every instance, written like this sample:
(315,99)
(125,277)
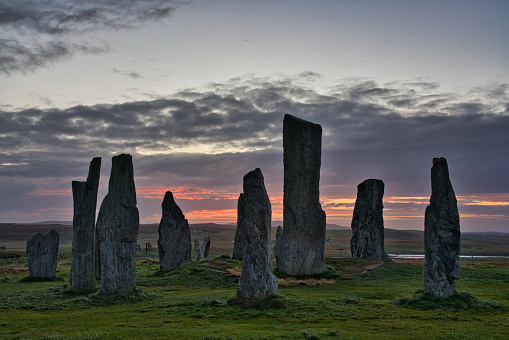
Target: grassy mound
(458,301)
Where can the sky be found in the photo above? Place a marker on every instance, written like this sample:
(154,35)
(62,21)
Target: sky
(196,92)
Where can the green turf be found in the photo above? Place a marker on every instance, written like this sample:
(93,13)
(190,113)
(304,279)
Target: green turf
(197,301)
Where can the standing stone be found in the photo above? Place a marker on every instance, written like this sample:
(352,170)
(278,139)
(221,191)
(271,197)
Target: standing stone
(441,234)
(174,243)
(367,240)
(277,246)
(118,224)
(256,279)
(42,254)
(82,276)
(302,248)
(240,234)
(205,248)
(197,250)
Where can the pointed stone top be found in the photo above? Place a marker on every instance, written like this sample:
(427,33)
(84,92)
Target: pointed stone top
(171,206)
(253,179)
(437,160)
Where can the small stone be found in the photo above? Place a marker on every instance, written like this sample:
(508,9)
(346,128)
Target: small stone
(367,240)
(302,246)
(197,250)
(277,246)
(174,243)
(42,254)
(441,234)
(118,225)
(82,275)
(256,279)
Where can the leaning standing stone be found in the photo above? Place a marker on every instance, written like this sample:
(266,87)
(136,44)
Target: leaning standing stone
(118,225)
(82,275)
(441,235)
(367,240)
(42,254)
(302,249)
(256,279)
(174,243)
(205,248)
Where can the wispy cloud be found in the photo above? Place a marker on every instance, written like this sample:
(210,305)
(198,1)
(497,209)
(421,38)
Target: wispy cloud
(35,34)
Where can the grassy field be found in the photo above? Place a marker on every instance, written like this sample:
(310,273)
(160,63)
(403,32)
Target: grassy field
(197,301)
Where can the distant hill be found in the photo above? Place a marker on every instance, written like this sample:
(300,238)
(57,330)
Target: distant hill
(328,226)
(51,222)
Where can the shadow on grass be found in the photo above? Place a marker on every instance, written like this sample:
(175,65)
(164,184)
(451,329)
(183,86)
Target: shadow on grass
(270,302)
(28,279)
(329,274)
(458,301)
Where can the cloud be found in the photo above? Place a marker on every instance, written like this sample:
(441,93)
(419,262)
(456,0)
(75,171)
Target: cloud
(36,34)
(208,138)
(129,74)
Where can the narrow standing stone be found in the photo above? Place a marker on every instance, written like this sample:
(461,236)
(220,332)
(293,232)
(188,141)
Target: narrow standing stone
(118,225)
(205,248)
(441,234)
(367,240)
(42,254)
(197,250)
(302,248)
(256,279)
(240,234)
(174,243)
(277,245)
(82,275)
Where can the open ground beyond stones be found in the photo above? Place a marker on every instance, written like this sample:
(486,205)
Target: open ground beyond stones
(192,301)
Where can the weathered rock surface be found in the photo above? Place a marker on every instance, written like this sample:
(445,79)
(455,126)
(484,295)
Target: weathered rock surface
(118,225)
(174,243)
(42,254)
(240,234)
(367,240)
(82,275)
(197,250)
(205,248)
(302,248)
(256,279)
(441,234)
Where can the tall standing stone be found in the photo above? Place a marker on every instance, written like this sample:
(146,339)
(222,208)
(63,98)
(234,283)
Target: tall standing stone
(240,234)
(118,225)
(302,248)
(82,275)
(205,249)
(197,250)
(256,279)
(367,240)
(174,243)
(42,254)
(441,234)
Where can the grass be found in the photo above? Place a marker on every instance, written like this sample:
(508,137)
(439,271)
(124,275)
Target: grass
(197,301)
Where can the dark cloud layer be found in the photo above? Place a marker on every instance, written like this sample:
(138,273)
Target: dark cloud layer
(210,138)
(35,34)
